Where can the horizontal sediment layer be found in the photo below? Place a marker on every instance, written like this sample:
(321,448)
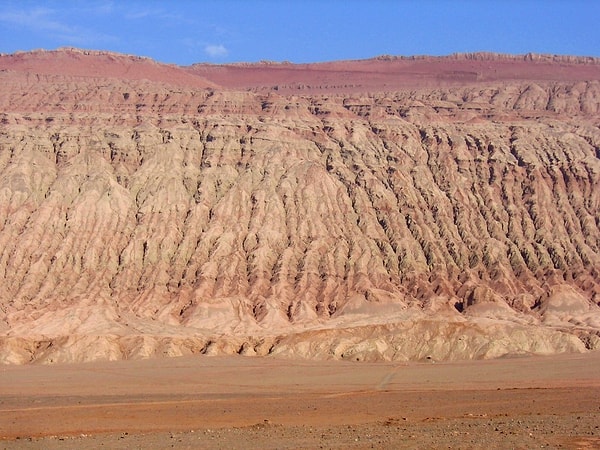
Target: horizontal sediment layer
(285,223)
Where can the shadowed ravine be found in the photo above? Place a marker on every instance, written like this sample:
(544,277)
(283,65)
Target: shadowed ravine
(139,218)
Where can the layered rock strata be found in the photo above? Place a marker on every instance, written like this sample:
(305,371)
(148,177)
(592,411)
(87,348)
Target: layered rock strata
(143,218)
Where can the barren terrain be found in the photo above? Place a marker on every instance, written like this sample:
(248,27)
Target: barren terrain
(396,239)
(234,402)
(409,213)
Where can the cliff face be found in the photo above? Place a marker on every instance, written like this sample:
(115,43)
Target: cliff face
(145,217)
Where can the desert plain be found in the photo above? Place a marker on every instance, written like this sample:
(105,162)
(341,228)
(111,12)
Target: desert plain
(245,402)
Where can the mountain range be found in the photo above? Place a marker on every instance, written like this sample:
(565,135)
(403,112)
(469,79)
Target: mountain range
(397,208)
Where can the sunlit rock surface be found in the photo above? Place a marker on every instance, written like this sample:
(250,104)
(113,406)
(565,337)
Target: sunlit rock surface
(379,210)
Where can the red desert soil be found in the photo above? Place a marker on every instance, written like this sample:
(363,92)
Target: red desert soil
(389,73)
(235,402)
(75,63)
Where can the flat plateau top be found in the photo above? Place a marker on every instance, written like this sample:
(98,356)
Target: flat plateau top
(386,73)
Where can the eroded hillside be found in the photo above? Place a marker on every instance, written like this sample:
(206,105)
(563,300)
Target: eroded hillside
(142,218)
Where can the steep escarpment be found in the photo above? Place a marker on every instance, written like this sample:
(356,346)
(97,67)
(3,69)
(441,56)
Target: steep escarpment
(139,218)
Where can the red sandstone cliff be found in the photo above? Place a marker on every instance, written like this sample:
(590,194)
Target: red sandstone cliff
(396,208)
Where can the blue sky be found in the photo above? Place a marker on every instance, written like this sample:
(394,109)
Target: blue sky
(186,31)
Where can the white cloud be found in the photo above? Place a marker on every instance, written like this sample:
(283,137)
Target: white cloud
(44,20)
(104,7)
(216,51)
(168,16)
(141,14)
(37,18)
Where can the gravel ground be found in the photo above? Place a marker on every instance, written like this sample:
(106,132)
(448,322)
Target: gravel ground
(253,403)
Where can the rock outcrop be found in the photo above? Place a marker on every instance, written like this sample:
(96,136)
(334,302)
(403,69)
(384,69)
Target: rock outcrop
(165,211)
